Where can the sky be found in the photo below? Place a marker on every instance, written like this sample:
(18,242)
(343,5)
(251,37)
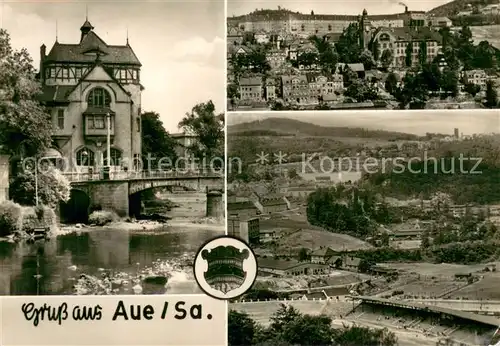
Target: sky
(354,7)
(179,43)
(411,121)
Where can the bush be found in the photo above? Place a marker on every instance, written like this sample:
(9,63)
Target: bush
(53,187)
(10,218)
(15,218)
(102,217)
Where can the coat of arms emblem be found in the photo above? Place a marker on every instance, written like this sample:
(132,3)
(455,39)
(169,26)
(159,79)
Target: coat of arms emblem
(225,271)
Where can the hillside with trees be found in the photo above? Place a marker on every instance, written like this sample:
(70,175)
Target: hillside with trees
(453,7)
(295,127)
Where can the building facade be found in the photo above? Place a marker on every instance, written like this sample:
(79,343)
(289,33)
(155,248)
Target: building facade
(89,87)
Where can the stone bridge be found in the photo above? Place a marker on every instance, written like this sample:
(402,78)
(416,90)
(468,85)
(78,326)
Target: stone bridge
(121,192)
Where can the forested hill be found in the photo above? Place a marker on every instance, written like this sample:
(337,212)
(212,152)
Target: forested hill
(453,7)
(291,127)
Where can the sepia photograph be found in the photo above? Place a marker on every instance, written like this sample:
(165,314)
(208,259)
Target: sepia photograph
(111,144)
(389,54)
(369,228)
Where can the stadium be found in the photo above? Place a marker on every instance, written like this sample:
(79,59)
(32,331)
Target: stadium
(413,323)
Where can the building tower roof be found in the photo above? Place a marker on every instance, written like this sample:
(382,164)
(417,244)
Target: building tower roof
(85,29)
(87,25)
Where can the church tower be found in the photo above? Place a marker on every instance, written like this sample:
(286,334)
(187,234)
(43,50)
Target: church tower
(364,28)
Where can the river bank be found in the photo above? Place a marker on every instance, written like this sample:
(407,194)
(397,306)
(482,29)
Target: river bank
(121,258)
(147,225)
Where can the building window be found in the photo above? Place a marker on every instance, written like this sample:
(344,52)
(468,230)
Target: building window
(64,73)
(138,124)
(60,119)
(98,97)
(97,122)
(115,157)
(123,74)
(78,72)
(85,157)
(52,72)
(134,74)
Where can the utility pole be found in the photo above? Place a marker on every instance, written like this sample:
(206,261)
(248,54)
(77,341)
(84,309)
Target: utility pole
(36,181)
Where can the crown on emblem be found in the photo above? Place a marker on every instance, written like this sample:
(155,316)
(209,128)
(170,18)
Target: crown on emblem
(225,265)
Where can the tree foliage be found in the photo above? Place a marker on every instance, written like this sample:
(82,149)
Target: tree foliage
(53,187)
(290,327)
(156,141)
(348,46)
(25,126)
(208,127)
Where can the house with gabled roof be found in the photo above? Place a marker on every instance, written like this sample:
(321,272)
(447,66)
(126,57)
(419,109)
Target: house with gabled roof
(88,87)
(322,255)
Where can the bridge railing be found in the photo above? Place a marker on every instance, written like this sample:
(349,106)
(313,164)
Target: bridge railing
(130,175)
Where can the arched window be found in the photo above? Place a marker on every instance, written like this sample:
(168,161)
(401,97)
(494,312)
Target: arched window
(116,157)
(384,37)
(99,97)
(85,157)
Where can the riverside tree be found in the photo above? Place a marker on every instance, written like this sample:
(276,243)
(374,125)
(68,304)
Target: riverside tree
(53,187)
(156,141)
(208,128)
(25,126)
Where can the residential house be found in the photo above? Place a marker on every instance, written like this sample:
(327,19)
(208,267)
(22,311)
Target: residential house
(322,255)
(261,37)
(295,89)
(358,68)
(321,86)
(242,209)
(441,22)
(299,191)
(276,58)
(270,89)
(335,261)
(238,50)
(251,89)
(351,263)
(184,142)
(234,36)
(293,51)
(398,39)
(477,77)
(267,235)
(273,204)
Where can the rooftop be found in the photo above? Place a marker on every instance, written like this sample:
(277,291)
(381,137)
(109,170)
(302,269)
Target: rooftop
(486,320)
(90,45)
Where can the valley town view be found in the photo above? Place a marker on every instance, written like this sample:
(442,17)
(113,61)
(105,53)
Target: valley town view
(443,58)
(86,206)
(354,254)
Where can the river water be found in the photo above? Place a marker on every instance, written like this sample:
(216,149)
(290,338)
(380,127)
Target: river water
(54,266)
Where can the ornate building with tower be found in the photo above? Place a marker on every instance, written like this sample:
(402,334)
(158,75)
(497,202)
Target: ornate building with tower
(93,92)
